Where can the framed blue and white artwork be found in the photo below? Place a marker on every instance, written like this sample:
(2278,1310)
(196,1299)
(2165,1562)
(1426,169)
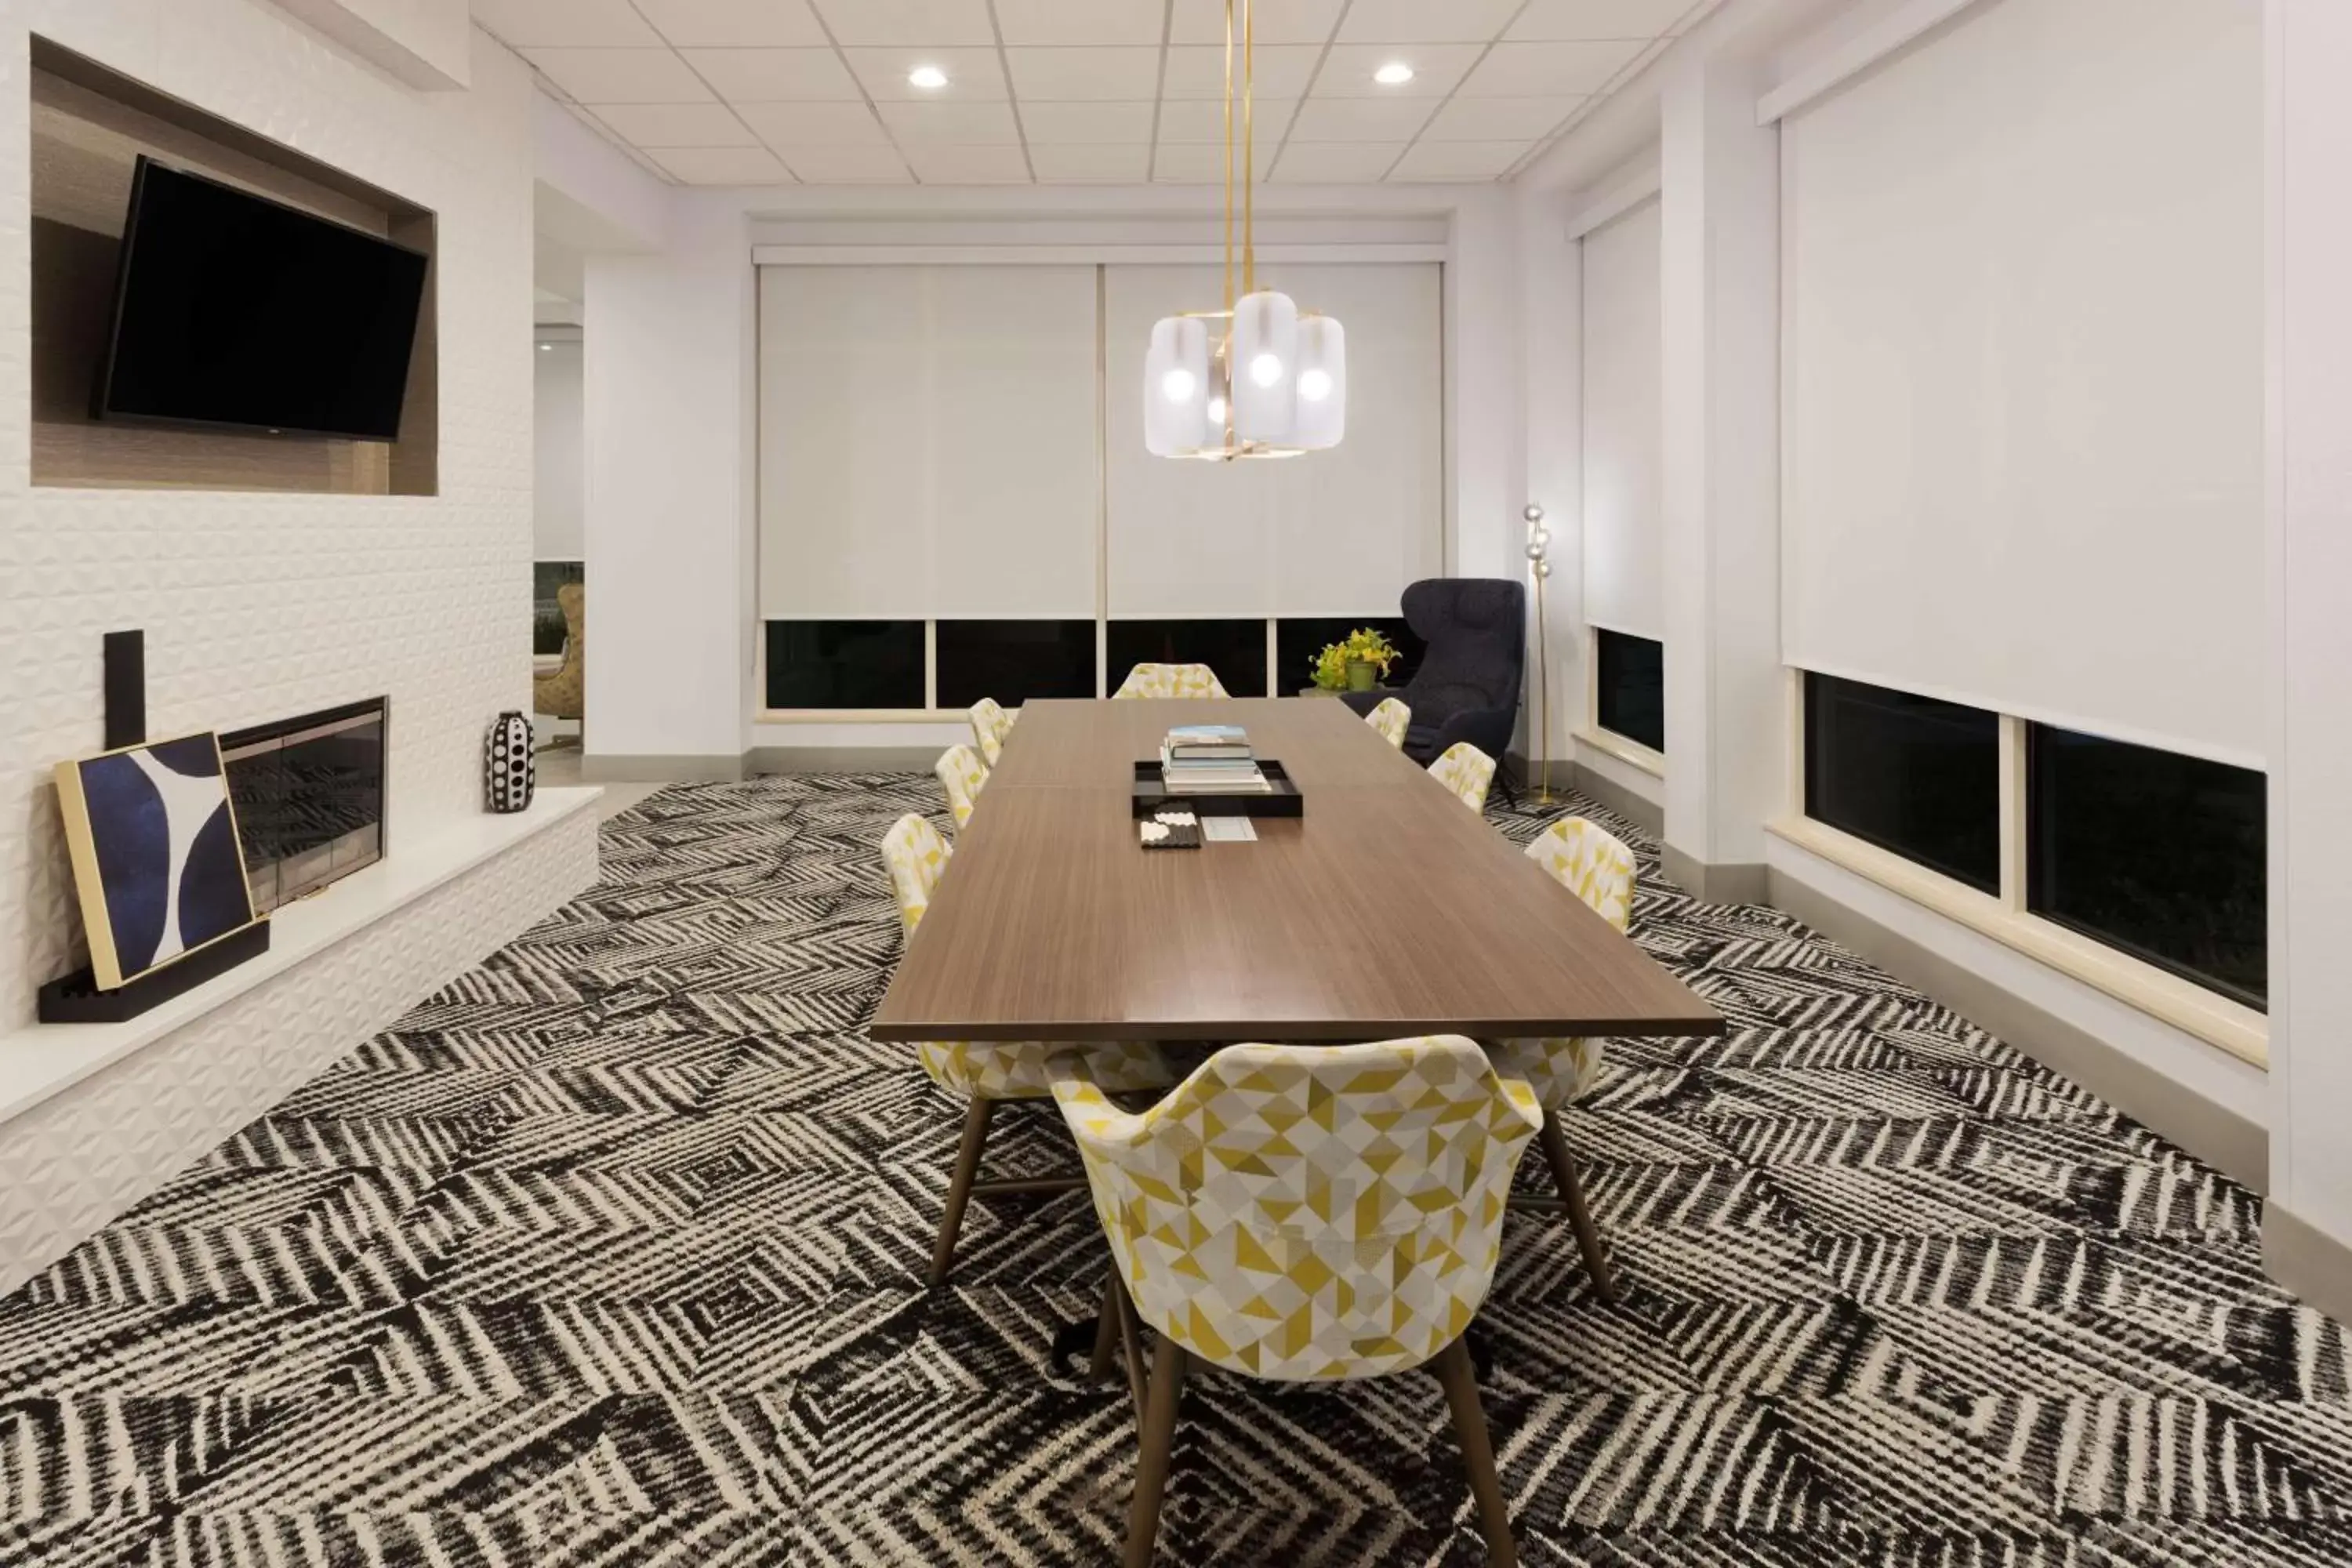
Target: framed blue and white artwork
(156,857)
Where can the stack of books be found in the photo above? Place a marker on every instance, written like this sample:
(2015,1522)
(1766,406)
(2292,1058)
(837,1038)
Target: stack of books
(1210,759)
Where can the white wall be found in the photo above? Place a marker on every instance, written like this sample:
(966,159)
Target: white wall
(2309,664)
(559,473)
(260,607)
(671,345)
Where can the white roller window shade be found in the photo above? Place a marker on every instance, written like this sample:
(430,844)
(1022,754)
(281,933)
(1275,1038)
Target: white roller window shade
(1624,451)
(927,442)
(1332,534)
(2023,425)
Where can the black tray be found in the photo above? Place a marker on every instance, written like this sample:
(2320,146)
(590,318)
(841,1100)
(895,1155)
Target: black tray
(76,998)
(1152,794)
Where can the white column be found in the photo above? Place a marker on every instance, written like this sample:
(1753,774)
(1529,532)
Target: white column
(1483,430)
(1720,295)
(2308,1224)
(671,341)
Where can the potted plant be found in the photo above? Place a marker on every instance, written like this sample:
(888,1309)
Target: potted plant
(1355,664)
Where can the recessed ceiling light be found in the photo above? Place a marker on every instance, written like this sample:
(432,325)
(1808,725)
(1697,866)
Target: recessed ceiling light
(1396,73)
(547,348)
(928,78)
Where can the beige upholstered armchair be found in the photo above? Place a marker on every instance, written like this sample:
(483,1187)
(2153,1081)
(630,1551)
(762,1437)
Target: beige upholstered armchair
(563,695)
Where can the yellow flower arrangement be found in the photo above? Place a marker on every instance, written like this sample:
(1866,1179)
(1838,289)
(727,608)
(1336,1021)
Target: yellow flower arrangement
(1363,646)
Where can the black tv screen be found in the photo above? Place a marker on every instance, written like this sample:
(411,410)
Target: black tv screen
(234,309)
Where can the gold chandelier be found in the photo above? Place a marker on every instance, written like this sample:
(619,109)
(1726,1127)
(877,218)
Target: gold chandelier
(1259,378)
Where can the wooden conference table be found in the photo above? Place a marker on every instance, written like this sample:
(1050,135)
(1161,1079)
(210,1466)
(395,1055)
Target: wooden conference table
(1388,910)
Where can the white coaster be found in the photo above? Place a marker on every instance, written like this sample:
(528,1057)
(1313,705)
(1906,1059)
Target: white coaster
(1228,830)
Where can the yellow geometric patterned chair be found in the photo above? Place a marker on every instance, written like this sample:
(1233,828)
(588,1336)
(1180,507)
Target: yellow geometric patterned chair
(961,774)
(1466,771)
(1594,865)
(986,1071)
(1391,718)
(1307,1214)
(992,726)
(1170,681)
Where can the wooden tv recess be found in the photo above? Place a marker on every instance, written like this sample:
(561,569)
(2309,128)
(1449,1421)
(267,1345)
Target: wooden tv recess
(89,126)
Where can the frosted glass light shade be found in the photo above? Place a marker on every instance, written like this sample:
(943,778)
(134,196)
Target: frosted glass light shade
(1265,361)
(1176,387)
(1322,380)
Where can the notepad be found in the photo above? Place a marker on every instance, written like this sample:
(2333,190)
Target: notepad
(1228,830)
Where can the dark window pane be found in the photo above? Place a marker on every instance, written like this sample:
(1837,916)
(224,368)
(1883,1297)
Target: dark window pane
(1909,773)
(2159,854)
(1297,640)
(1014,661)
(1235,649)
(845,664)
(1631,687)
(547,629)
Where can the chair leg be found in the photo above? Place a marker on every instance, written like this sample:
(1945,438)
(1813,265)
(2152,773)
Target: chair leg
(1106,1329)
(967,1167)
(1572,1197)
(1158,1435)
(1461,1383)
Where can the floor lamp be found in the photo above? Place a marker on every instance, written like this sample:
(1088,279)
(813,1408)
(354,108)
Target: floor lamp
(1539,562)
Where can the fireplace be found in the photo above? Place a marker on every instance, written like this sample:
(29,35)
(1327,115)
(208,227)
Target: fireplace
(309,798)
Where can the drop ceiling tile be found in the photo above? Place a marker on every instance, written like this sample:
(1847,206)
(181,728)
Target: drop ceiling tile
(1199,71)
(848,165)
(1076,164)
(1278,21)
(950,124)
(945,23)
(1360,119)
(1537,70)
(555,23)
(1335,163)
(783,125)
(1195,120)
(972,73)
(672,125)
(1426,21)
(735,24)
(947,166)
(1551,20)
(621,76)
(1089,74)
(1500,119)
(1458,160)
(1348,70)
(1068,124)
(1080,21)
(723,165)
(772,76)
(1189,163)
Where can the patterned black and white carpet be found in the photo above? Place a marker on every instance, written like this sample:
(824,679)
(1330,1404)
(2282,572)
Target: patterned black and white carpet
(611,1253)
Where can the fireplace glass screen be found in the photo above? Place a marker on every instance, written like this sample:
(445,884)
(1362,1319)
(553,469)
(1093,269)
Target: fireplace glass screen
(309,797)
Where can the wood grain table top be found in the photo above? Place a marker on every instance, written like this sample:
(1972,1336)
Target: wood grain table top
(1388,910)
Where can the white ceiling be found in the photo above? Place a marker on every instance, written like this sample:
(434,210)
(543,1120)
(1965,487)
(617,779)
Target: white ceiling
(736,92)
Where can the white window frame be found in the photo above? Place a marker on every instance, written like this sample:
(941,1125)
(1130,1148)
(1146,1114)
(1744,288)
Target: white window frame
(2226,1024)
(1589,732)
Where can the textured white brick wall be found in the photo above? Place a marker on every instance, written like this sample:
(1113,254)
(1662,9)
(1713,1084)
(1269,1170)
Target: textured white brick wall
(261,605)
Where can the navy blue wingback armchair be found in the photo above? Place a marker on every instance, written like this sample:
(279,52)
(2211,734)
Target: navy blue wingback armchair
(1467,688)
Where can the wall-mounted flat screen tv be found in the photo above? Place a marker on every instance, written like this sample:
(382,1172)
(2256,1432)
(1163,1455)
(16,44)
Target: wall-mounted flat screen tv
(233,309)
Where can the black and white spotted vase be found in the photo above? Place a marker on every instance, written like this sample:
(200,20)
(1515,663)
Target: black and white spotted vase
(509,773)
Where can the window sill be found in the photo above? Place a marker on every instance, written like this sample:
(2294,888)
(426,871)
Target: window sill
(2210,1016)
(1633,753)
(860,715)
